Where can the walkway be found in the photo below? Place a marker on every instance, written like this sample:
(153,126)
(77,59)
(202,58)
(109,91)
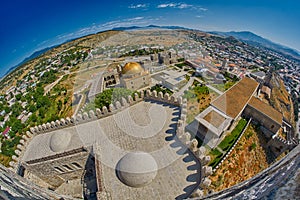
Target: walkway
(50,86)
(209,86)
(184,88)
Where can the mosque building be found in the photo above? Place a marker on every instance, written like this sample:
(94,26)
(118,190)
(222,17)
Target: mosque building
(133,76)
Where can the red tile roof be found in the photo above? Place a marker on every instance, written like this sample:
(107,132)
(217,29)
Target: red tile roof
(6,131)
(233,101)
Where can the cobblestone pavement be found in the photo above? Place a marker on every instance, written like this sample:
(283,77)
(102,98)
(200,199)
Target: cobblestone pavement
(178,172)
(146,126)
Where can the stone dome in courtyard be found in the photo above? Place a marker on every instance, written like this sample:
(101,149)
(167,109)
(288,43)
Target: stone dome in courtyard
(137,169)
(132,68)
(59,141)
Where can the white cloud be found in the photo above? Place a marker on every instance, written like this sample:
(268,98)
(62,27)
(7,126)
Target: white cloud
(137,21)
(135,18)
(181,6)
(202,9)
(138,6)
(184,5)
(167,5)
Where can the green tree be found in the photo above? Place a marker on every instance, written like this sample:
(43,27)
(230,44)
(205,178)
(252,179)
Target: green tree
(111,96)
(59,105)
(32,108)
(42,112)
(33,118)
(16,109)
(18,97)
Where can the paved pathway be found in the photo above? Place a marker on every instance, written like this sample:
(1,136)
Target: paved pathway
(184,88)
(223,152)
(214,89)
(50,86)
(209,86)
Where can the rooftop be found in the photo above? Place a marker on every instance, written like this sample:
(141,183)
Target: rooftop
(132,68)
(214,118)
(266,109)
(233,101)
(259,74)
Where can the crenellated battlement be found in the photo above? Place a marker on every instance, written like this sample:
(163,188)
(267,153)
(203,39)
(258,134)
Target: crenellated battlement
(192,145)
(282,141)
(91,116)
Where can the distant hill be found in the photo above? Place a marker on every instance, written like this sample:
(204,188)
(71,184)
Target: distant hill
(40,52)
(149,27)
(256,40)
(31,57)
(244,36)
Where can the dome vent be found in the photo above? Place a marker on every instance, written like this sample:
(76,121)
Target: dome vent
(59,141)
(136,169)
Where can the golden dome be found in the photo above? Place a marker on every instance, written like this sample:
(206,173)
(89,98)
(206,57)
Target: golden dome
(132,68)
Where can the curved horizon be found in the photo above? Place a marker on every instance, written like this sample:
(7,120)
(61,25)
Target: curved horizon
(29,27)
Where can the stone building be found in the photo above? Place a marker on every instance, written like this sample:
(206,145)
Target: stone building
(239,100)
(171,79)
(59,168)
(264,114)
(110,79)
(56,158)
(165,58)
(133,76)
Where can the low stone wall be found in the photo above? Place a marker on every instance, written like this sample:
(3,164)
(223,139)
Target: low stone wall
(14,164)
(163,98)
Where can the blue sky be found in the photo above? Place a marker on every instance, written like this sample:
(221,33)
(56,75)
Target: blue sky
(30,25)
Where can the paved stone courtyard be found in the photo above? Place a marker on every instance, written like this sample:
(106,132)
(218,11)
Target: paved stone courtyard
(146,126)
(178,171)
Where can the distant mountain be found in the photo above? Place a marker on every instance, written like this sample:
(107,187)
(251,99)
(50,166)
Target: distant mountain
(40,52)
(149,27)
(244,36)
(31,57)
(253,39)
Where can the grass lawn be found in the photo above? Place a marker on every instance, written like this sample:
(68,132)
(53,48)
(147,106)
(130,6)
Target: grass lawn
(198,99)
(227,143)
(223,87)
(215,156)
(233,136)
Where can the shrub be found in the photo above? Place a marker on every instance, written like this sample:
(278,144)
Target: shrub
(253,146)
(230,139)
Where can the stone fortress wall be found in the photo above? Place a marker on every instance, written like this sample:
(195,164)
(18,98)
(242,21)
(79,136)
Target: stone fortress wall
(183,136)
(80,157)
(264,120)
(14,186)
(60,167)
